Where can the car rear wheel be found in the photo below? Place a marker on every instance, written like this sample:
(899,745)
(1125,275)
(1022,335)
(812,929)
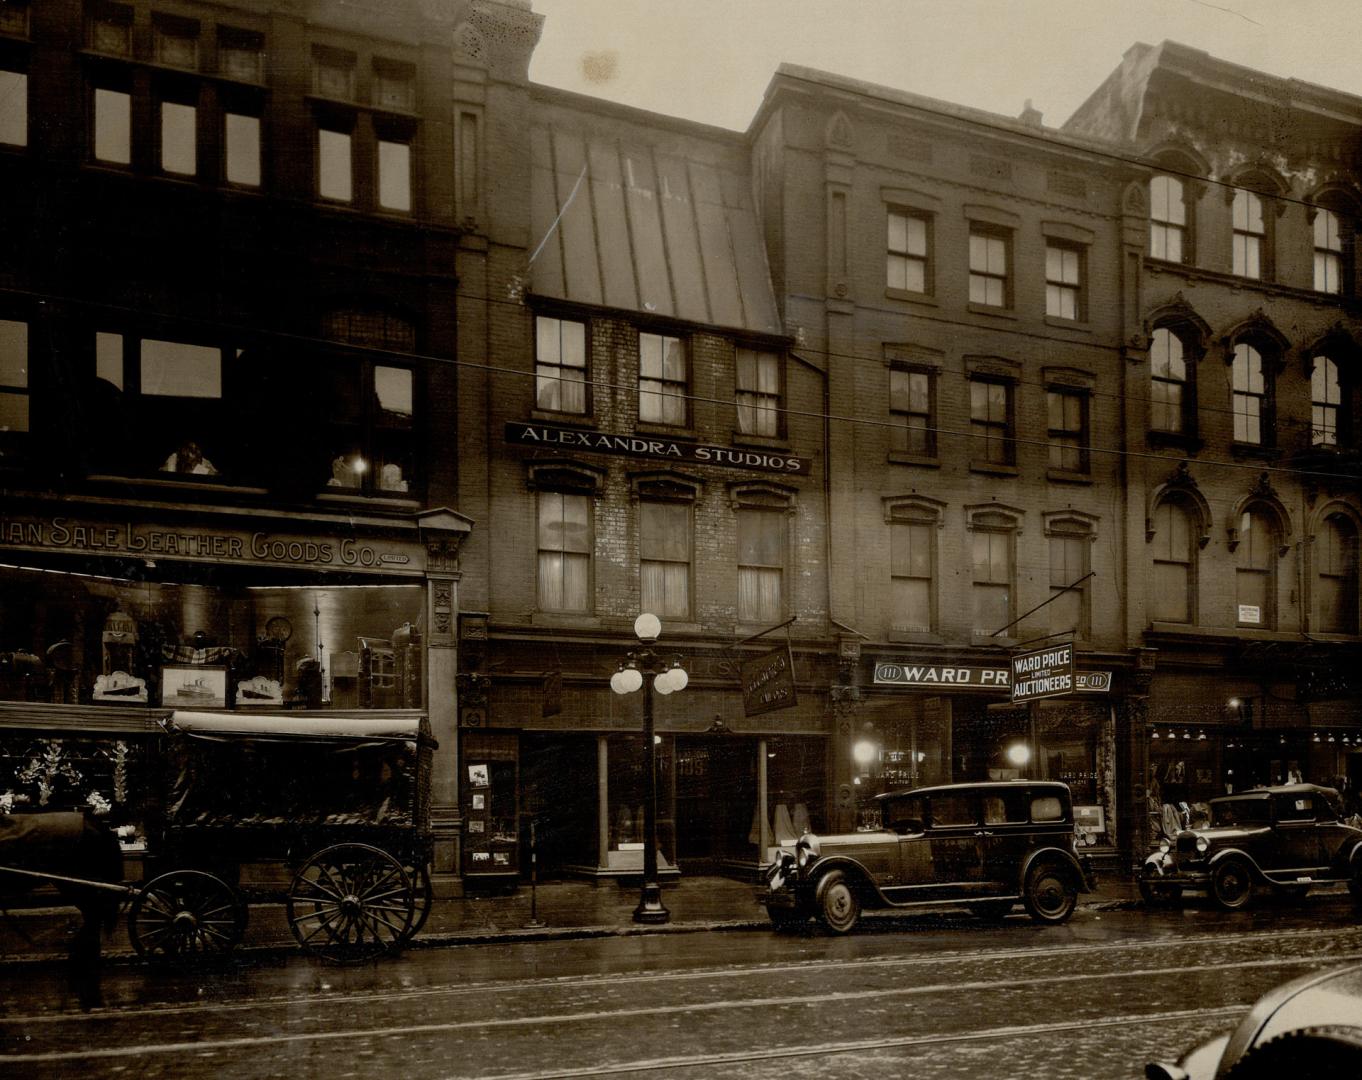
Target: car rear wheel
(1232,884)
(839,908)
(1156,894)
(1050,894)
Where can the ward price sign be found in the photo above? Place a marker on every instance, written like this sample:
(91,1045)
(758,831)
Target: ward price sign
(1042,673)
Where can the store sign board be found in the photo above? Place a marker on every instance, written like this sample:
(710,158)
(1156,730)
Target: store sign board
(1251,614)
(768,682)
(1042,673)
(956,677)
(152,542)
(521,433)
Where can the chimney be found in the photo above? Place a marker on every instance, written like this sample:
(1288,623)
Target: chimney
(1030,115)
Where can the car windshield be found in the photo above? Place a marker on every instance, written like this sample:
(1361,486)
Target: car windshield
(1239,812)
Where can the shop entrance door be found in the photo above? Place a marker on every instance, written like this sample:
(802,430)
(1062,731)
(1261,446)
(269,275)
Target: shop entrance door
(716,789)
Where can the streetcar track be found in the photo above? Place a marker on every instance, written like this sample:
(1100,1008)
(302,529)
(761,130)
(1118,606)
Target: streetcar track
(481,989)
(612,1016)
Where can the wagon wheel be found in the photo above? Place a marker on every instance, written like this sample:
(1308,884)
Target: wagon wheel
(185,913)
(425,896)
(351,903)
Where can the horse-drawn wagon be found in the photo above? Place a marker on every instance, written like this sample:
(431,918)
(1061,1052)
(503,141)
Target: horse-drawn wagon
(329,815)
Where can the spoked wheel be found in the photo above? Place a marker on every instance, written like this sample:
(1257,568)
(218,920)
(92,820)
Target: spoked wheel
(185,913)
(1232,884)
(425,897)
(351,903)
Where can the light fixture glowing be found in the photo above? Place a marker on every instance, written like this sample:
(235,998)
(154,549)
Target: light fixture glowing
(1234,703)
(647,627)
(626,680)
(1019,754)
(864,752)
(1201,736)
(1156,734)
(680,680)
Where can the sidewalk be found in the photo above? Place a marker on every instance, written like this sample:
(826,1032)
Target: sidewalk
(567,909)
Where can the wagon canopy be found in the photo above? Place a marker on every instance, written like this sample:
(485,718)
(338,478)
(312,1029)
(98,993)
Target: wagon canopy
(265,727)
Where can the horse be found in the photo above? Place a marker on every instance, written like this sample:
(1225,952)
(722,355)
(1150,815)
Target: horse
(81,852)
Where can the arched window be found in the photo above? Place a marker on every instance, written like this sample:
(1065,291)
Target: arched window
(762,513)
(565,549)
(1255,574)
(1173,585)
(1252,397)
(1167,219)
(913,525)
(1325,400)
(1328,253)
(993,551)
(1169,391)
(1336,576)
(1250,234)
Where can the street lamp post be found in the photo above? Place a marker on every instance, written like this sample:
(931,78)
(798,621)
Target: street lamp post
(647,669)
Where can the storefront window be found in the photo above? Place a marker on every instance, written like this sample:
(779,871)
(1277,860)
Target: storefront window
(627,777)
(796,770)
(190,639)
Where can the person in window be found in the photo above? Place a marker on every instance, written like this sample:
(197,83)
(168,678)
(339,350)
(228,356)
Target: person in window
(189,459)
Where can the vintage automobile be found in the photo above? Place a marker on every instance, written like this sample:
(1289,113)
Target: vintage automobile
(1287,838)
(1309,1027)
(984,846)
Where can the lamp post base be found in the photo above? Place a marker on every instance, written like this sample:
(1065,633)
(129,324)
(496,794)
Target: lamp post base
(650,908)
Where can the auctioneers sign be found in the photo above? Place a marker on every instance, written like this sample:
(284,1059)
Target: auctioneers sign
(768,682)
(1042,673)
(654,446)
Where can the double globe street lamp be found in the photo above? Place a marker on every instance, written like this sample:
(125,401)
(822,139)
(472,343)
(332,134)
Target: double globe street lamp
(643,667)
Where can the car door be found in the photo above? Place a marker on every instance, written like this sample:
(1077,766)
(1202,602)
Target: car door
(953,829)
(1294,850)
(1004,837)
(907,818)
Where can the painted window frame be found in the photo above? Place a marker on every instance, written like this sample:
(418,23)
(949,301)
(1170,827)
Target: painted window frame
(549,369)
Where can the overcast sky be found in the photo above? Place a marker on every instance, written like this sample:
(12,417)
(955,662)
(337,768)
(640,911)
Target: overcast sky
(710,60)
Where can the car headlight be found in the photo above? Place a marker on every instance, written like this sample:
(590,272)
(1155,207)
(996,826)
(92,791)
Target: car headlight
(802,855)
(1202,843)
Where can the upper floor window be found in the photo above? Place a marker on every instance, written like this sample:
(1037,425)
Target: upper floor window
(912,423)
(991,421)
(13,107)
(1063,281)
(664,551)
(1067,410)
(241,144)
(663,380)
(1167,219)
(335,175)
(989,261)
(14,18)
(1169,390)
(565,551)
(762,545)
(994,562)
(758,380)
(110,29)
(14,383)
(908,266)
(1326,397)
(179,134)
(1336,591)
(1171,595)
(1250,233)
(1252,400)
(175,42)
(912,570)
(560,365)
(333,73)
(1328,252)
(394,86)
(394,173)
(1256,570)
(112,125)
(241,54)
(1069,609)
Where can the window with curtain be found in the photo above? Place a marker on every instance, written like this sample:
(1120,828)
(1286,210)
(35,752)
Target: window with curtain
(662,380)
(1328,252)
(1069,608)
(1250,231)
(757,377)
(912,563)
(1167,218)
(911,424)
(665,558)
(1336,582)
(761,564)
(1168,387)
(990,422)
(560,365)
(1255,576)
(565,548)
(1251,402)
(1326,397)
(1174,552)
(993,572)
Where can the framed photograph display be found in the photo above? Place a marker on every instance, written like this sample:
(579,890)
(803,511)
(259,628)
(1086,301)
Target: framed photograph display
(193,686)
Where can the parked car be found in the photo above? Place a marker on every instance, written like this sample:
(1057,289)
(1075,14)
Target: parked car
(1310,1027)
(1287,838)
(985,846)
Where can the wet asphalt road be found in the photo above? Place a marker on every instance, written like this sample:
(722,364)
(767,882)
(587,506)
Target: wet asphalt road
(923,997)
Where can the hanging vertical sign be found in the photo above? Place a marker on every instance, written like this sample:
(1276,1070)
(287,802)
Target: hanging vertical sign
(768,682)
(1042,673)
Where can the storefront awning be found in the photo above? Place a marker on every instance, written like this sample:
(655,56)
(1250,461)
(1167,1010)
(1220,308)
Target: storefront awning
(273,728)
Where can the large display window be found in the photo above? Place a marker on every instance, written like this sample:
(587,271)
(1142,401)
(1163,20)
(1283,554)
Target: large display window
(189,636)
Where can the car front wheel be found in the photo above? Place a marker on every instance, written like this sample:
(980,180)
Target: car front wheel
(1232,884)
(839,907)
(1050,895)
